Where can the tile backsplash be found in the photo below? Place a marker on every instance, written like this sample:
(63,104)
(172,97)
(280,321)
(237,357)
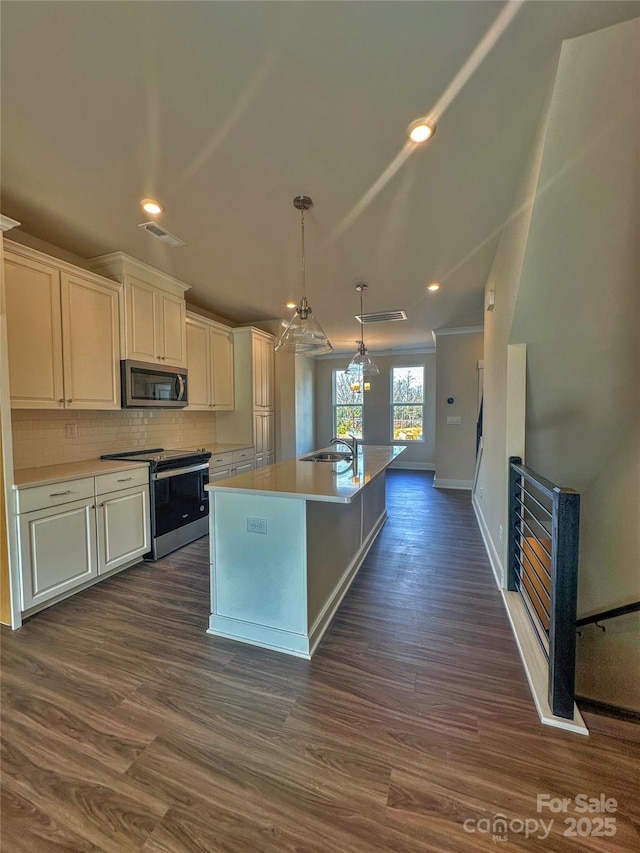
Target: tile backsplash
(47,437)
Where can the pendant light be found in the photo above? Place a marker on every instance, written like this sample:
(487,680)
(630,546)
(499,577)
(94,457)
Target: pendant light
(361,363)
(303,333)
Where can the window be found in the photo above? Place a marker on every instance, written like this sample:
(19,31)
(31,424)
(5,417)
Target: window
(347,405)
(407,403)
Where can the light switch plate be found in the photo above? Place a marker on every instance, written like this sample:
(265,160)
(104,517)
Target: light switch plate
(454,419)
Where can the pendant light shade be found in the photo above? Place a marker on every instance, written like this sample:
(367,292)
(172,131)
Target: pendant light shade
(361,363)
(303,333)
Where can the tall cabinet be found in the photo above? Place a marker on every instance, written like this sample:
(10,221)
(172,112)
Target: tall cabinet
(253,419)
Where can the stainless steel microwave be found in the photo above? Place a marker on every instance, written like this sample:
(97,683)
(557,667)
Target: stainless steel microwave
(157,386)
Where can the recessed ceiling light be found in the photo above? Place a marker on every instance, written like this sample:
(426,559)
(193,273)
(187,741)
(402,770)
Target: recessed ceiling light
(292,304)
(152,206)
(420,130)
(433,286)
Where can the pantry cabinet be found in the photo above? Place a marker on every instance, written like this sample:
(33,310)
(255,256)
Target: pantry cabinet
(253,419)
(71,532)
(154,327)
(210,365)
(63,330)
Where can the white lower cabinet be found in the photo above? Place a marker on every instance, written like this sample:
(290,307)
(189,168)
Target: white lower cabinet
(72,532)
(232,462)
(124,532)
(264,423)
(57,550)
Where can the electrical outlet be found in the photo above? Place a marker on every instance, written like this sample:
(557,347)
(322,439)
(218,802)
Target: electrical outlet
(481,492)
(256,525)
(500,534)
(71,430)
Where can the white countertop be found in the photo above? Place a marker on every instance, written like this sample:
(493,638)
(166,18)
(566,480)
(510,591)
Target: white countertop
(24,478)
(314,481)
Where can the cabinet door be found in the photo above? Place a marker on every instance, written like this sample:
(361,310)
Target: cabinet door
(263,357)
(198,365)
(91,343)
(124,532)
(268,371)
(140,319)
(268,426)
(171,314)
(244,467)
(219,474)
(57,550)
(34,333)
(222,394)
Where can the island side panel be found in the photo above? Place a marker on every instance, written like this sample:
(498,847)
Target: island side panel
(374,504)
(258,578)
(333,544)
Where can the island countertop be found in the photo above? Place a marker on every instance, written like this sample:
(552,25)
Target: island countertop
(333,482)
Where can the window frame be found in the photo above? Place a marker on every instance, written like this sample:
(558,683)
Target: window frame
(393,404)
(335,404)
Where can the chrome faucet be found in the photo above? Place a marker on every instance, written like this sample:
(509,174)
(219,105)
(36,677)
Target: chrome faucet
(352,445)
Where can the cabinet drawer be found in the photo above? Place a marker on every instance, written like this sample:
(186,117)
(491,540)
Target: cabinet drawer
(243,455)
(55,494)
(121,480)
(221,460)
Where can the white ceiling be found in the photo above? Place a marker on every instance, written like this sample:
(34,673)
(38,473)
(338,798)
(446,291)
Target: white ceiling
(227,110)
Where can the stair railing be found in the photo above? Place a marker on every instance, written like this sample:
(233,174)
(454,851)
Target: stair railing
(544,522)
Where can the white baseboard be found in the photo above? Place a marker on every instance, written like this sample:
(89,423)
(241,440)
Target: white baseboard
(414,466)
(439,483)
(494,558)
(536,667)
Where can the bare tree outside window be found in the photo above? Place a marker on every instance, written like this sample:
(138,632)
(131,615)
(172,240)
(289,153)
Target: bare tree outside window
(407,403)
(347,405)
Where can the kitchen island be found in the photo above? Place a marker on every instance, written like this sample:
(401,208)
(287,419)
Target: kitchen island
(286,543)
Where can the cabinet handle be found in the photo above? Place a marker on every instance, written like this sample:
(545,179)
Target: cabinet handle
(69,401)
(61,401)
(60,494)
(123,480)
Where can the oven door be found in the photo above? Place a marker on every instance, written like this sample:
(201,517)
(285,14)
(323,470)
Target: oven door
(179,497)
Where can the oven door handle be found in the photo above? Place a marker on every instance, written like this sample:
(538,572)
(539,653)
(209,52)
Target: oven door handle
(175,472)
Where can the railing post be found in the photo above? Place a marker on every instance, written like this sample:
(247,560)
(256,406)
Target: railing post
(513,528)
(564,591)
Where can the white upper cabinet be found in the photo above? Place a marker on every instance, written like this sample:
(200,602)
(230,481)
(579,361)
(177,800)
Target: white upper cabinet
(262,349)
(155,310)
(154,323)
(63,334)
(209,365)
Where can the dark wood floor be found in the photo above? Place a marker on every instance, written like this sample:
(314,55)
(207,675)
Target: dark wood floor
(126,728)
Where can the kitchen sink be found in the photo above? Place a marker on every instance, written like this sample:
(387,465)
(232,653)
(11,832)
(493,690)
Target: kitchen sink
(327,457)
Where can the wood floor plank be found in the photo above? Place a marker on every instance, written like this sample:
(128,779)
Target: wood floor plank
(127,728)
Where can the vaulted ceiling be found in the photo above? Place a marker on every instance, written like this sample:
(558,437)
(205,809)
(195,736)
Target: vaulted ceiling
(227,110)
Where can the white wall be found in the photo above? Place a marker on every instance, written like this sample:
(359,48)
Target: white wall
(566,282)
(377,416)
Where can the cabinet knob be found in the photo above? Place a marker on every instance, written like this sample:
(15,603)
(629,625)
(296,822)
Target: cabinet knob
(61,401)
(69,401)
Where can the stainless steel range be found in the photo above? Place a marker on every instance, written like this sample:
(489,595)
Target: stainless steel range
(179,500)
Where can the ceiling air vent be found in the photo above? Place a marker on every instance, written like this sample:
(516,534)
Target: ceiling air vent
(162,234)
(381,316)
